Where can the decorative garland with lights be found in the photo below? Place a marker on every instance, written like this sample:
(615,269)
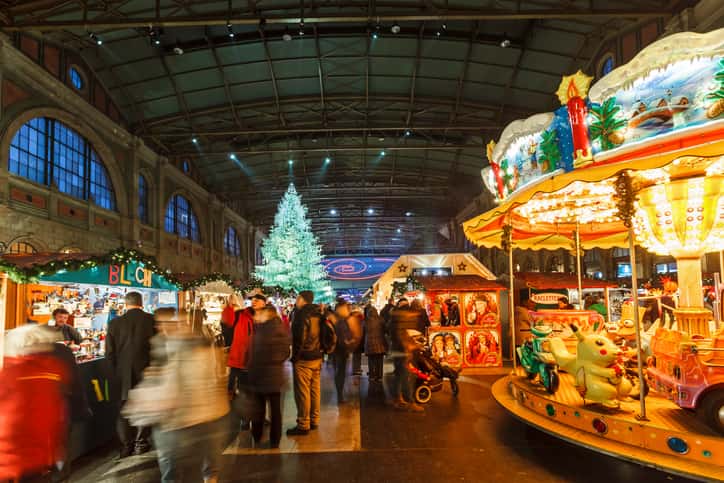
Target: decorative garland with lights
(411,284)
(121,256)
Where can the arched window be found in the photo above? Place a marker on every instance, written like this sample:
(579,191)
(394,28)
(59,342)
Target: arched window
(21,247)
(232,246)
(143,212)
(606,65)
(76,79)
(47,151)
(181,219)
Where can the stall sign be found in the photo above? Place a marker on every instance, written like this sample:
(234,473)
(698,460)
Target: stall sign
(561,320)
(131,275)
(547,297)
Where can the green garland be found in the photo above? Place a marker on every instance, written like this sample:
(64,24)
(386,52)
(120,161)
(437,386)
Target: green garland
(34,273)
(625,198)
(506,238)
(401,288)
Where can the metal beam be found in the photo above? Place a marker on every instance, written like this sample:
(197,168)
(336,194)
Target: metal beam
(329,130)
(222,18)
(275,87)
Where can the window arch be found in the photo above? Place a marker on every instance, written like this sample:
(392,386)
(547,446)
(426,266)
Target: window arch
(21,247)
(143,211)
(232,246)
(46,151)
(606,65)
(181,219)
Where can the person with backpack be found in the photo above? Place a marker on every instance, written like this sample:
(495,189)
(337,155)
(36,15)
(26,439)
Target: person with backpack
(350,331)
(307,353)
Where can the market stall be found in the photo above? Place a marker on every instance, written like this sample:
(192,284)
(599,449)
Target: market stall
(464,313)
(91,288)
(637,159)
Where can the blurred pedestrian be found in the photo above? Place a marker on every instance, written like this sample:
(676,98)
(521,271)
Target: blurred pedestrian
(34,385)
(128,350)
(270,349)
(375,345)
(423,319)
(349,329)
(239,356)
(183,397)
(402,320)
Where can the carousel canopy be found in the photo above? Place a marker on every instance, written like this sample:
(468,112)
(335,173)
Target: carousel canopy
(659,118)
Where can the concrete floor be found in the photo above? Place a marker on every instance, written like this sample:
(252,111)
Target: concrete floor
(466,439)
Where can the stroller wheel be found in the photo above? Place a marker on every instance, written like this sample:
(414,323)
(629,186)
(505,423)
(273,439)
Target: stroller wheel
(423,394)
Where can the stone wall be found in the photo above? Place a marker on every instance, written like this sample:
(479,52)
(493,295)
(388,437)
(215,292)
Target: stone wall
(52,221)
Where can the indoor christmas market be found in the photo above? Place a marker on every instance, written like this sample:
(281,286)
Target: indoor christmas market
(289,241)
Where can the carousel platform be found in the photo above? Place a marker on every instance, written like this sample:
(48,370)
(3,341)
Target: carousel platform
(672,440)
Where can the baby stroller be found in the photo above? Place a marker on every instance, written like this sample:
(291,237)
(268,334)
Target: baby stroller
(429,373)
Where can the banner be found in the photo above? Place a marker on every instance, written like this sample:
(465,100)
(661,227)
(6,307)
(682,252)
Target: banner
(131,275)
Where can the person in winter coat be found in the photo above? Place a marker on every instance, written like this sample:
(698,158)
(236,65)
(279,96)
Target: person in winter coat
(423,318)
(128,351)
(350,331)
(233,304)
(183,397)
(270,349)
(34,414)
(375,344)
(307,362)
(402,320)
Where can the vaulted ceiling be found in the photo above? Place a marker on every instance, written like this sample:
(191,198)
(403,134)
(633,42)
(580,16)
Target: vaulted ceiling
(383,133)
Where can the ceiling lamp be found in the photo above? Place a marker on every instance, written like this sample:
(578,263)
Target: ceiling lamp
(230,30)
(395,29)
(94,38)
(327,160)
(333,212)
(178,50)
(370,211)
(376,31)
(154,35)
(382,153)
(505,43)
(301,29)
(683,218)
(291,162)
(286,36)
(194,140)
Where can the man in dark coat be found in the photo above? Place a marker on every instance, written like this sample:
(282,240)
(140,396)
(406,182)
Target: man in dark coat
(128,351)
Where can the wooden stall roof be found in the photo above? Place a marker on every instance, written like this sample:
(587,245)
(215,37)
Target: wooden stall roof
(542,281)
(458,283)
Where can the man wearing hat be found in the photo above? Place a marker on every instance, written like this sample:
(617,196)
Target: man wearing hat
(240,350)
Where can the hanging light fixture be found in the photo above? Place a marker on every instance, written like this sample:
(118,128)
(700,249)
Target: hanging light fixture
(395,29)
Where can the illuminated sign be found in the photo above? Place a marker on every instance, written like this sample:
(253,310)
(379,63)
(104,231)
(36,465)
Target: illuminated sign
(360,268)
(129,275)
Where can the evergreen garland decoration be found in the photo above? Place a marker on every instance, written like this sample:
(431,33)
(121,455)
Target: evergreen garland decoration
(506,238)
(625,197)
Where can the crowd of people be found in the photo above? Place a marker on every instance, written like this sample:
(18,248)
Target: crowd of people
(181,386)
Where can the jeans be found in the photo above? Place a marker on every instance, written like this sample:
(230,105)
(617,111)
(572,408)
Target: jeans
(132,437)
(307,392)
(340,372)
(375,362)
(257,419)
(183,453)
(357,364)
(402,381)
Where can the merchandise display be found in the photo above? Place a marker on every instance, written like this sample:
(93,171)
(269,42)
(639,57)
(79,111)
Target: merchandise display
(636,159)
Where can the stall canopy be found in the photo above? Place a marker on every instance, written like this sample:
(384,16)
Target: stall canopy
(119,268)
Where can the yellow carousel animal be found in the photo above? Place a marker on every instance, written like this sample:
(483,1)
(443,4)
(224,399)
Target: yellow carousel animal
(598,375)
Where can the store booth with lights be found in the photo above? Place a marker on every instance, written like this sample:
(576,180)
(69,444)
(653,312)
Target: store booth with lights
(462,300)
(91,288)
(636,159)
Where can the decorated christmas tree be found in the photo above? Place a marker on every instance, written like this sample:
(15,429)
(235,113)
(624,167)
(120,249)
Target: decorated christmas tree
(292,255)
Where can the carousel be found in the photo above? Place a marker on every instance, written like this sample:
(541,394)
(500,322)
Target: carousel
(636,159)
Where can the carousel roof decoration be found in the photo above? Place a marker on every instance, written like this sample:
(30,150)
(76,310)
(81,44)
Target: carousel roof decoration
(658,118)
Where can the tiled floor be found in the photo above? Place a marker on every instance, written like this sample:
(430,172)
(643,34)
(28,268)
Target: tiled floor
(465,439)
